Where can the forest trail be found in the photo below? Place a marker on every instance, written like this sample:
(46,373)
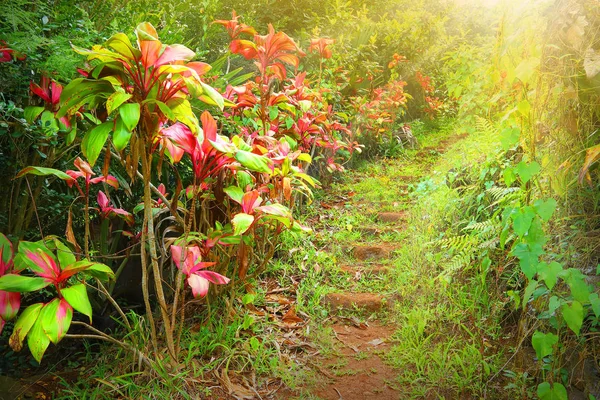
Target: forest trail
(358,367)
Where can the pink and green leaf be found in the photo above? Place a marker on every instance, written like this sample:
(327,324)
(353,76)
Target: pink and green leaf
(22,284)
(10,302)
(241,223)
(56,319)
(6,255)
(37,340)
(42,171)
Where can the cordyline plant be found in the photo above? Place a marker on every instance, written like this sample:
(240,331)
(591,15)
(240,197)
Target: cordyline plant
(140,95)
(144,91)
(54,265)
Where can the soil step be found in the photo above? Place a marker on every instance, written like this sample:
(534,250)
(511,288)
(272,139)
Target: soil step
(367,252)
(373,269)
(378,230)
(389,217)
(351,301)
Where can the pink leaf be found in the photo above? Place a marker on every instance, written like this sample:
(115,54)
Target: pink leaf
(209,126)
(200,265)
(56,91)
(200,67)
(174,53)
(250,201)
(40,92)
(198,284)
(102,201)
(213,277)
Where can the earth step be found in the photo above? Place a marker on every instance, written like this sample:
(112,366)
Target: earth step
(365,252)
(389,217)
(351,301)
(376,230)
(373,269)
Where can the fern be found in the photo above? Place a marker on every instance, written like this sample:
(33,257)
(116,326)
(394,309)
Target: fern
(498,193)
(485,126)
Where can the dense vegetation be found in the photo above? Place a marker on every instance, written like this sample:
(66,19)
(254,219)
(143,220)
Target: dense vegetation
(162,160)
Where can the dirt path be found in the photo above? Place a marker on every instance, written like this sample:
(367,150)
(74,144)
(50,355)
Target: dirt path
(362,327)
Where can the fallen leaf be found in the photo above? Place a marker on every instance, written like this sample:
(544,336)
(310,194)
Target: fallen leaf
(291,318)
(376,342)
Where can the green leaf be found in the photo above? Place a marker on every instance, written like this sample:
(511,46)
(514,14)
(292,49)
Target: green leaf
(235,193)
(182,110)
(23,325)
(37,340)
(579,287)
(115,100)
(253,161)
(77,297)
(547,392)
(31,113)
(545,209)
(80,92)
(509,138)
(122,45)
(101,271)
(549,273)
(524,107)
(121,135)
(543,343)
(573,315)
(241,223)
(595,302)
(522,221)
(22,284)
(130,114)
(243,179)
(64,254)
(94,141)
(528,260)
(527,171)
(211,96)
(42,171)
(529,291)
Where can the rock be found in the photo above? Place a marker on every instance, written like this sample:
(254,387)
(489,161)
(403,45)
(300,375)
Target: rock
(350,301)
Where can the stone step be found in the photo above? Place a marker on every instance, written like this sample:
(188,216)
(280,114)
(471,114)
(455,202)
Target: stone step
(368,252)
(351,301)
(389,217)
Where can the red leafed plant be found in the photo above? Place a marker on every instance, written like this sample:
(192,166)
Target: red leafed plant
(189,261)
(52,264)
(321,46)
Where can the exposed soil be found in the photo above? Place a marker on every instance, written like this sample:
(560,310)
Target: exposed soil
(362,374)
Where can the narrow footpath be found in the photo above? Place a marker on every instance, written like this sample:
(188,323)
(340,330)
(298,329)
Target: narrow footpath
(373,211)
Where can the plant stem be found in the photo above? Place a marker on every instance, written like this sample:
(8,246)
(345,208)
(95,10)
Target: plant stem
(151,241)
